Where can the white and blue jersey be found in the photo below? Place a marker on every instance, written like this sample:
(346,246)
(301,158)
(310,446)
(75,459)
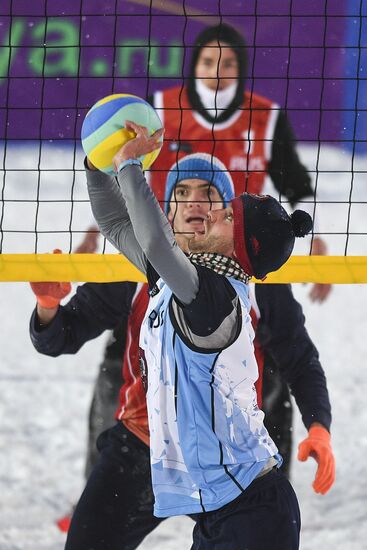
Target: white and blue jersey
(207,437)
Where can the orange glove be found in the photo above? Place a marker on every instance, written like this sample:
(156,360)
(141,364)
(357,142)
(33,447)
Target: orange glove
(49,295)
(318,445)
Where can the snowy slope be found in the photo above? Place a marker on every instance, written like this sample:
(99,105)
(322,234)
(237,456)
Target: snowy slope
(44,404)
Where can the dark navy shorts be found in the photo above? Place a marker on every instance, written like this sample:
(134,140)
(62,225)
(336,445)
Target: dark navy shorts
(265,517)
(115,511)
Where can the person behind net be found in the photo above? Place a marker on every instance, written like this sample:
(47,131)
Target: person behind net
(280,337)
(211,455)
(214,113)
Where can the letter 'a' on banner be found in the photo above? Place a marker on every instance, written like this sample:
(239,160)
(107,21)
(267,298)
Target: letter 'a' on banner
(102,268)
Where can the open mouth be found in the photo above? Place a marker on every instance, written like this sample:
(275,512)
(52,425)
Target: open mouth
(195,219)
(197,224)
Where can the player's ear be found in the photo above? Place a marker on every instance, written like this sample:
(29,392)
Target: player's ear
(170,214)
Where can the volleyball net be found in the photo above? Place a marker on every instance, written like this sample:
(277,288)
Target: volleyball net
(59,57)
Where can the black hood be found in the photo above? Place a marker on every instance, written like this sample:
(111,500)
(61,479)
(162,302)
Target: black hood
(229,35)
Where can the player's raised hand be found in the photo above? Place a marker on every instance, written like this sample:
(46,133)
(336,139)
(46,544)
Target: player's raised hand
(319,291)
(50,294)
(141,145)
(89,243)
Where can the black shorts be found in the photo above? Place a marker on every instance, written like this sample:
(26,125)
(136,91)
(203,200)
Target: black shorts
(265,517)
(115,511)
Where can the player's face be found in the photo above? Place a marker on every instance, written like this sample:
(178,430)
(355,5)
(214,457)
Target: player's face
(217,66)
(190,203)
(218,233)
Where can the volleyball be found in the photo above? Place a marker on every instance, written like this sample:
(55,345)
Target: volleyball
(103,132)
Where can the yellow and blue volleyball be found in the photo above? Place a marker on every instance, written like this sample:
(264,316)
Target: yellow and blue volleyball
(103,131)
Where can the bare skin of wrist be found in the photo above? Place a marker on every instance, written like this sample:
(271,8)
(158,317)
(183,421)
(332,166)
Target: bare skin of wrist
(45,315)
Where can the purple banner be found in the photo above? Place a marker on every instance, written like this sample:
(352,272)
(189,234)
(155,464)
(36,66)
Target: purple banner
(58,57)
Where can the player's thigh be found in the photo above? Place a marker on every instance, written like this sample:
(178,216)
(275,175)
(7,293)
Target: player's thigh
(116,507)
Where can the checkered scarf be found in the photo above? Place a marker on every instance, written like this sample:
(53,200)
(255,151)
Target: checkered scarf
(223,265)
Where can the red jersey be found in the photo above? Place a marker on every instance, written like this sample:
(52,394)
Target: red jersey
(132,410)
(243,142)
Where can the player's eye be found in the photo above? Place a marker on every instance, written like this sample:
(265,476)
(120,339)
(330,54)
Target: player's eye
(230,64)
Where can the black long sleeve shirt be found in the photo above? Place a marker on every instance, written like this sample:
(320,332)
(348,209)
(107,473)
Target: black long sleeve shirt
(281,331)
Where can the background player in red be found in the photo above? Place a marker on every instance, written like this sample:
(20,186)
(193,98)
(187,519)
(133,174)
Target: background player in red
(214,113)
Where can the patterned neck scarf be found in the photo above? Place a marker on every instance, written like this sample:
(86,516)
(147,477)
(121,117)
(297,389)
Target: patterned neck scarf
(223,265)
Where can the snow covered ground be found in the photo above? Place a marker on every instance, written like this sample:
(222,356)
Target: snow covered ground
(44,402)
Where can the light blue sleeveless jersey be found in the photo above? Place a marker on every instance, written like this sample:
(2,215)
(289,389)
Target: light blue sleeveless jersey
(207,437)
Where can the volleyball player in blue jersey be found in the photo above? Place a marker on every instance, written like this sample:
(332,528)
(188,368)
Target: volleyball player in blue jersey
(211,455)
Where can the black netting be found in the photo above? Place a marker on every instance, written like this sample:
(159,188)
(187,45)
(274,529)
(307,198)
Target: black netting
(307,58)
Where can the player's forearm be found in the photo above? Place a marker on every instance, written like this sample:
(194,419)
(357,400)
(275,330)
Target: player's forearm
(109,210)
(310,392)
(47,338)
(92,310)
(282,332)
(155,236)
(301,368)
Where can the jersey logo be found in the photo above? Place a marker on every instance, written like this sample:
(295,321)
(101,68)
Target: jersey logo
(154,291)
(143,369)
(156,318)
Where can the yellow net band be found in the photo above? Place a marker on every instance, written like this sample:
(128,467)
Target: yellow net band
(98,268)
(102,268)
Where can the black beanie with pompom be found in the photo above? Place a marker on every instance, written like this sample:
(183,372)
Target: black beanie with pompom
(264,233)
(301,223)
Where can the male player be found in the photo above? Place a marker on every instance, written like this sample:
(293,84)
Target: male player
(211,455)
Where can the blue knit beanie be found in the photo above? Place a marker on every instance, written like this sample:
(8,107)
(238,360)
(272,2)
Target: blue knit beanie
(200,166)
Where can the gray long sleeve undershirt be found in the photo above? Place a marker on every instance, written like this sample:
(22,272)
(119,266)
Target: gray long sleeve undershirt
(130,217)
